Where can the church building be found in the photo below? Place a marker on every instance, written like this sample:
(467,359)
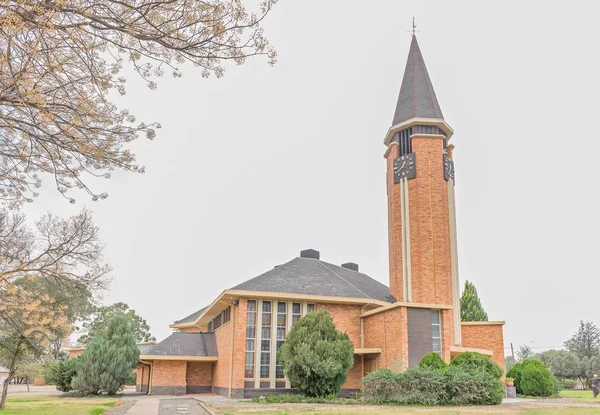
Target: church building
(230,347)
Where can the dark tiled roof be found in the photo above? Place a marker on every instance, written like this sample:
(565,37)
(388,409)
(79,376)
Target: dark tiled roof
(192,317)
(310,276)
(145,347)
(417,97)
(186,344)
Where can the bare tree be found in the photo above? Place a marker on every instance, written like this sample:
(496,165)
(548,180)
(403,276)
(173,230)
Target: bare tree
(59,59)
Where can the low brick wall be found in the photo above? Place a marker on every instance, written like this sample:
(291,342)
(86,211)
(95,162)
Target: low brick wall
(487,335)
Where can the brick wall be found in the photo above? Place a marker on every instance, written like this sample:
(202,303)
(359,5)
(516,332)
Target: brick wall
(168,377)
(222,368)
(429,226)
(346,319)
(485,336)
(74,353)
(354,374)
(199,377)
(387,330)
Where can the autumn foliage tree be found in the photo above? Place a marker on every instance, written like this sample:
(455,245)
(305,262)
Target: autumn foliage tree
(59,251)
(60,59)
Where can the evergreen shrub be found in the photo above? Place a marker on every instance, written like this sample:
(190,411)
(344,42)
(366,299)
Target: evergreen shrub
(65,372)
(536,379)
(515,373)
(569,383)
(316,357)
(476,362)
(433,361)
(108,360)
(431,386)
(473,388)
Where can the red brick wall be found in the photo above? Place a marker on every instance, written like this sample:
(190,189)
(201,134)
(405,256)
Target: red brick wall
(387,330)
(221,367)
(169,373)
(354,374)
(485,336)
(221,372)
(199,374)
(74,353)
(346,319)
(429,226)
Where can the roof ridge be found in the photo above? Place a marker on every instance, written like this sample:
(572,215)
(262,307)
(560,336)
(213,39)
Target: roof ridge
(345,280)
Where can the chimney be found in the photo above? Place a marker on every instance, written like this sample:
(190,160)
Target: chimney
(309,253)
(351,265)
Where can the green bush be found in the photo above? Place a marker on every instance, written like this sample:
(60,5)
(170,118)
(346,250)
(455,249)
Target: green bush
(473,388)
(315,356)
(131,379)
(515,373)
(432,361)
(557,385)
(569,383)
(380,385)
(536,379)
(417,386)
(51,373)
(430,386)
(65,372)
(476,362)
(108,360)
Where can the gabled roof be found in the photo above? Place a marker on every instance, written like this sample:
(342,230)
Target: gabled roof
(417,97)
(185,344)
(192,317)
(3,369)
(310,276)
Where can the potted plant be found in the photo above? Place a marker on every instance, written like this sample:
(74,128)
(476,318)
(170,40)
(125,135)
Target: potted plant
(509,382)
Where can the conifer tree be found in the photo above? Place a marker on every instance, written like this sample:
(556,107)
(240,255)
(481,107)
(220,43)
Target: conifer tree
(108,361)
(470,305)
(316,357)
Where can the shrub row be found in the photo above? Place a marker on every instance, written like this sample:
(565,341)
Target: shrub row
(471,379)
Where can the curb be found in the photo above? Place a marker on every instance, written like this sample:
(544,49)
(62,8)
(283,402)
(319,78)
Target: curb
(208,411)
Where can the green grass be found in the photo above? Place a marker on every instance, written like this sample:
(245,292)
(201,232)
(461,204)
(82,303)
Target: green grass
(47,405)
(580,396)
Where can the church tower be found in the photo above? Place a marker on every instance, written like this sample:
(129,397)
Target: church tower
(420,187)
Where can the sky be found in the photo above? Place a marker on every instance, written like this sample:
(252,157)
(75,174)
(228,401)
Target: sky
(252,168)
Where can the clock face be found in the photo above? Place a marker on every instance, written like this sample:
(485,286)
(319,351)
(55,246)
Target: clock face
(448,168)
(404,167)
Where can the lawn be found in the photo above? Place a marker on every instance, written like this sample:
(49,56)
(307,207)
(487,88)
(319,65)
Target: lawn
(317,409)
(580,396)
(48,405)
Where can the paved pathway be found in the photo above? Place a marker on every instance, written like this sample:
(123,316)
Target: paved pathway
(145,407)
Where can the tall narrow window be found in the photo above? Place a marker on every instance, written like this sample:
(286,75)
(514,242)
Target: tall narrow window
(310,307)
(436,332)
(265,342)
(250,339)
(296,312)
(281,332)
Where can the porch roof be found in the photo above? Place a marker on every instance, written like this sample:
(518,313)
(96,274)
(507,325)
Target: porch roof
(189,345)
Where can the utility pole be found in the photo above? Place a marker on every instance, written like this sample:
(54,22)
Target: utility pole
(513,353)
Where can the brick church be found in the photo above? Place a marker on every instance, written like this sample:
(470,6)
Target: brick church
(230,347)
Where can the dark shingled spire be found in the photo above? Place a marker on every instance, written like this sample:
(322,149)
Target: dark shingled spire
(417,97)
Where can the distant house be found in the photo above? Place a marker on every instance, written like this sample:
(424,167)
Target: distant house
(3,374)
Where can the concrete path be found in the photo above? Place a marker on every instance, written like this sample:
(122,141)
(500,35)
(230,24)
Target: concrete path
(144,407)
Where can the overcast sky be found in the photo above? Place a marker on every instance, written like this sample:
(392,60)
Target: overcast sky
(252,168)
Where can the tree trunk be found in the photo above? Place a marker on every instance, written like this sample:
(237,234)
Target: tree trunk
(27,382)
(11,374)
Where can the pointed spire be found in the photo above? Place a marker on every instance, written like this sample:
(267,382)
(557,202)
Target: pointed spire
(417,97)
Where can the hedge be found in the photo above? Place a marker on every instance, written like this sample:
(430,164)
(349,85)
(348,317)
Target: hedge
(432,387)
(433,361)
(532,378)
